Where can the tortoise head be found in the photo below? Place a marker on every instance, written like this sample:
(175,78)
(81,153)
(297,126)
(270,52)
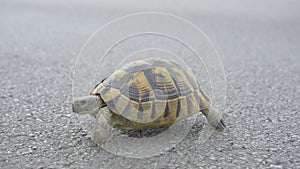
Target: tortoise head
(86,105)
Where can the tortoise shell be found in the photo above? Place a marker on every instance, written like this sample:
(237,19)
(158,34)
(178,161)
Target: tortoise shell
(153,91)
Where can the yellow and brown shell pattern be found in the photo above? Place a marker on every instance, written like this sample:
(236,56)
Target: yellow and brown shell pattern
(152,92)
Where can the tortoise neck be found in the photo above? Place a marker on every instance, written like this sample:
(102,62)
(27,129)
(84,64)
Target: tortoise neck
(102,103)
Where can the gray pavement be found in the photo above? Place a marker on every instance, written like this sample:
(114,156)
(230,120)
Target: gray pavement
(259,43)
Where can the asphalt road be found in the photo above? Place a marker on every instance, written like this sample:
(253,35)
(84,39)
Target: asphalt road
(259,43)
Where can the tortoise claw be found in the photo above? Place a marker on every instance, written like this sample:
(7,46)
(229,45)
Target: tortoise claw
(220,126)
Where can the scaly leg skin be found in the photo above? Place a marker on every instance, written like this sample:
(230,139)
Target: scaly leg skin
(103,126)
(214,118)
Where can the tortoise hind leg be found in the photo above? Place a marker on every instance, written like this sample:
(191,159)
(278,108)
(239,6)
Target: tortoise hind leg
(103,126)
(214,118)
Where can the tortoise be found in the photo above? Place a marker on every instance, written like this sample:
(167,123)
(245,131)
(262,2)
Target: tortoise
(146,93)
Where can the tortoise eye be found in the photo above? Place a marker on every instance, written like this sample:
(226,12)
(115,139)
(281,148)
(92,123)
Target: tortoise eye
(83,102)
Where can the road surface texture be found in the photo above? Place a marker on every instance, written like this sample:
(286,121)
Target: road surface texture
(259,42)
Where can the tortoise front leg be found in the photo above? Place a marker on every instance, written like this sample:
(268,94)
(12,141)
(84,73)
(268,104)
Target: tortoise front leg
(103,126)
(122,123)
